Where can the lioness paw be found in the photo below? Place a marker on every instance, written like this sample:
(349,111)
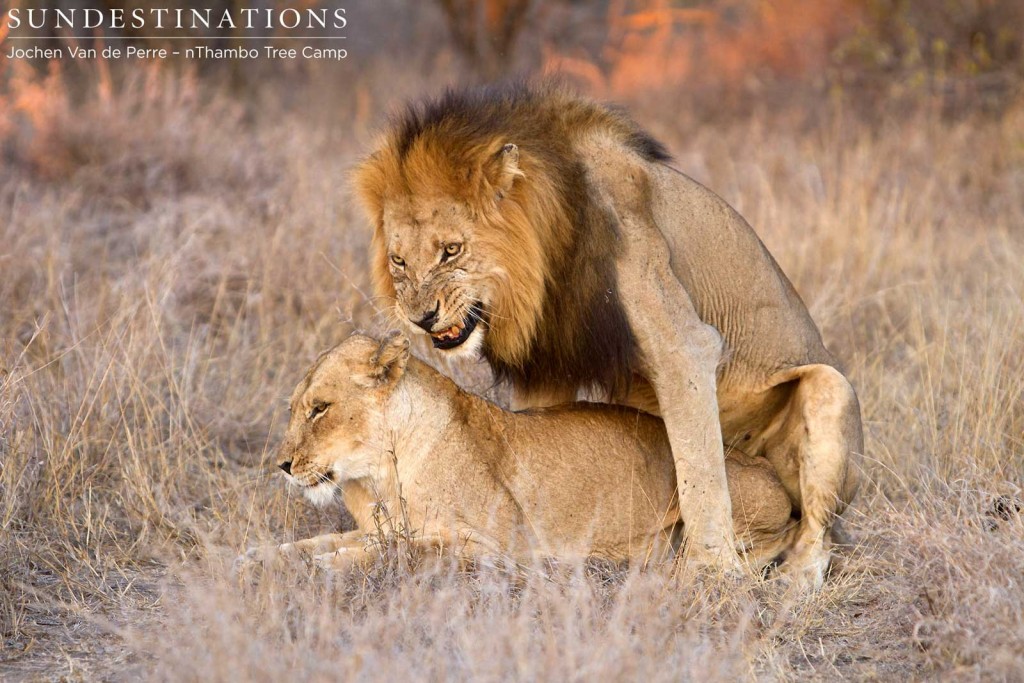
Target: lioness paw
(246,563)
(256,558)
(338,560)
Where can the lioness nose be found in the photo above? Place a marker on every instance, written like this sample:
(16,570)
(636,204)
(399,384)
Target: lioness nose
(427,321)
(286,466)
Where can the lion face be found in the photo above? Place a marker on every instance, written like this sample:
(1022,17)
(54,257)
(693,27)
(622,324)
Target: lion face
(337,412)
(444,276)
(454,246)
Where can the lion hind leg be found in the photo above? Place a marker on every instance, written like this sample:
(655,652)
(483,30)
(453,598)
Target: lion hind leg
(813,454)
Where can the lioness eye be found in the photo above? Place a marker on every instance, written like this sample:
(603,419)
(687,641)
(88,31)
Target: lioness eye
(451,250)
(398,260)
(317,410)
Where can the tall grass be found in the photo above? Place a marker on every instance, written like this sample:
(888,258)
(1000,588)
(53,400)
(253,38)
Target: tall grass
(171,262)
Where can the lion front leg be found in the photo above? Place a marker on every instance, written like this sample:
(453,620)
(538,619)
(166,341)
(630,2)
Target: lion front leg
(680,354)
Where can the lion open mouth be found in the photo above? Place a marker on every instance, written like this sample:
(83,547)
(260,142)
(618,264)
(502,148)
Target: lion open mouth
(458,333)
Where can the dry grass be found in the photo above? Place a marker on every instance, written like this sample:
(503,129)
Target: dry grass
(170,262)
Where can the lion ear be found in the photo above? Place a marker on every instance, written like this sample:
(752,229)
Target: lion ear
(387,364)
(502,169)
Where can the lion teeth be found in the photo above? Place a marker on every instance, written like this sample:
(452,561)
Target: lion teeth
(450,333)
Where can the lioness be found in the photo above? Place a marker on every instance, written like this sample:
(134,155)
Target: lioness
(550,234)
(572,481)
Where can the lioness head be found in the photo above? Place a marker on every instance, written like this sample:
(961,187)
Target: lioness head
(337,411)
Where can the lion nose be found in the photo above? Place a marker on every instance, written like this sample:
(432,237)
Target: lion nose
(427,321)
(286,466)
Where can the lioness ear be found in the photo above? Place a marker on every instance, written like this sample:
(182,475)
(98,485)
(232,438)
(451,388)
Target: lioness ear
(502,169)
(389,360)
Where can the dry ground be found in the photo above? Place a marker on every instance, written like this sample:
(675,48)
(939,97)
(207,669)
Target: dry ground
(170,261)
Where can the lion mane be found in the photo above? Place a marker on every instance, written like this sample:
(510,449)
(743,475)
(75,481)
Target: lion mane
(555,241)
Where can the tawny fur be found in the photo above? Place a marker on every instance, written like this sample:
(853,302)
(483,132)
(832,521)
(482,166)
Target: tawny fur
(579,480)
(602,270)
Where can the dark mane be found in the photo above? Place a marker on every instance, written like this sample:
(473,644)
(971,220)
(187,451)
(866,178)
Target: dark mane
(482,111)
(584,338)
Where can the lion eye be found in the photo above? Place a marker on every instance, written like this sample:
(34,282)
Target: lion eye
(317,410)
(398,260)
(451,250)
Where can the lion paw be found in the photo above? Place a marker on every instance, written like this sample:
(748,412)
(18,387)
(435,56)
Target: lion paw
(712,559)
(806,571)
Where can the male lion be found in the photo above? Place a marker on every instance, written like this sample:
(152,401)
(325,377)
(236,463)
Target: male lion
(572,481)
(549,233)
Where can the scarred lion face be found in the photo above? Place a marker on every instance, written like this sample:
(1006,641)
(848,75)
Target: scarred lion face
(444,278)
(454,248)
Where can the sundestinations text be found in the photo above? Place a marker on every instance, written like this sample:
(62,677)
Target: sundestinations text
(165,18)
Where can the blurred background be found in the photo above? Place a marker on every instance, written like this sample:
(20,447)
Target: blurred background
(720,57)
(178,242)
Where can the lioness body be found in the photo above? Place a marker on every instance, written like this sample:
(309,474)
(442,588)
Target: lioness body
(548,233)
(571,481)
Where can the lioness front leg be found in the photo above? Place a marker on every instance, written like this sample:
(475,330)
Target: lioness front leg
(308,548)
(466,547)
(680,355)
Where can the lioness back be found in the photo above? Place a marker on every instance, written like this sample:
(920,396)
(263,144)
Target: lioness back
(597,477)
(618,461)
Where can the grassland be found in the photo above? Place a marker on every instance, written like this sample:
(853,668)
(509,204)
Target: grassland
(170,260)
